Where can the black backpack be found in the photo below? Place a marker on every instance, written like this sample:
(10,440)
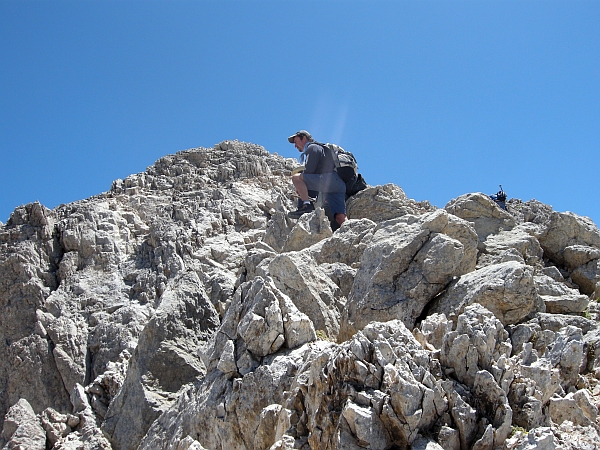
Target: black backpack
(347,168)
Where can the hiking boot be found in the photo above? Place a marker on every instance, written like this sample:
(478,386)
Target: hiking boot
(305,208)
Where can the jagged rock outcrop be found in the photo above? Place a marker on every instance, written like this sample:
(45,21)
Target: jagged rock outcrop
(507,289)
(386,202)
(165,359)
(480,211)
(22,429)
(182,309)
(408,262)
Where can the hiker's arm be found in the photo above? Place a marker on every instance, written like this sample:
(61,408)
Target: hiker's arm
(312,159)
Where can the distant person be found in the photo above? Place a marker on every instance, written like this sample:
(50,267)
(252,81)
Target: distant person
(500,198)
(319,175)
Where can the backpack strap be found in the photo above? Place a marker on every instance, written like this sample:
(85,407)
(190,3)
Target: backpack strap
(332,154)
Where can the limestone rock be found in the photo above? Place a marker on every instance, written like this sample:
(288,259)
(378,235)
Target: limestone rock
(577,408)
(506,289)
(183,310)
(574,437)
(164,361)
(347,244)
(69,336)
(407,262)
(579,255)
(278,230)
(556,322)
(260,321)
(537,439)
(57,425)
(342,275)
(448,438)
(225,412)
(310,229)
(87,434)
(587,277)
(298,275)
(487,218)
(479,342)
(432,331)
(22,429)
(592,341)
(380,203)
(531,211)
(478,351)
(516,239)
(558,297)
(566,230)
(380,379)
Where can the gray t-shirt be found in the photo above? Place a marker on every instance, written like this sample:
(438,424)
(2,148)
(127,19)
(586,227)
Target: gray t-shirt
(317,159)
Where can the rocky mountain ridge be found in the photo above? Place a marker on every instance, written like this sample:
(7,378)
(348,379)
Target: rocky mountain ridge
(182,310)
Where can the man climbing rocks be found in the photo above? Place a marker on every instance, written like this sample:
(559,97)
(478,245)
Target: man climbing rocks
(319,175)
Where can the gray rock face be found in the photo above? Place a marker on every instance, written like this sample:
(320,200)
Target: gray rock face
(310,229)
(407,262)
(22,429)
(506,289)
(183,310)
(560,298)
(380,203)
(563,232)
(310,288)
(165,359)
(478,209)
(574,241)
(517,244)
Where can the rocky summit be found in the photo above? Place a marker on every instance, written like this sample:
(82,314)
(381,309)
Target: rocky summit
(183,310)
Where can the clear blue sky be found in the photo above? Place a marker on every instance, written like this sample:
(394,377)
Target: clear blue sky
(439,97)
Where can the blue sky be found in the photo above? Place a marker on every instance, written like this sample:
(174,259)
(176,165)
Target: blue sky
(439,97)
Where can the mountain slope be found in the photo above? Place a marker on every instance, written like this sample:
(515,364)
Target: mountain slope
(182,309)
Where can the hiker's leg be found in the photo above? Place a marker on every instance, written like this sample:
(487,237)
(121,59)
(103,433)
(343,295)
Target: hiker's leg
(340,218)
(316,184)
(337,204)
(300,186)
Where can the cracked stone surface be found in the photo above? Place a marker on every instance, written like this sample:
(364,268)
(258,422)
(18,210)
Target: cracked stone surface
(182,310)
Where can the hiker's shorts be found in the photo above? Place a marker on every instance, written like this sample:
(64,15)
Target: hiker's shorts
(332,186)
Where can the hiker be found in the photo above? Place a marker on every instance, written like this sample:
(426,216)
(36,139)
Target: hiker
(319,175)
(500,198)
